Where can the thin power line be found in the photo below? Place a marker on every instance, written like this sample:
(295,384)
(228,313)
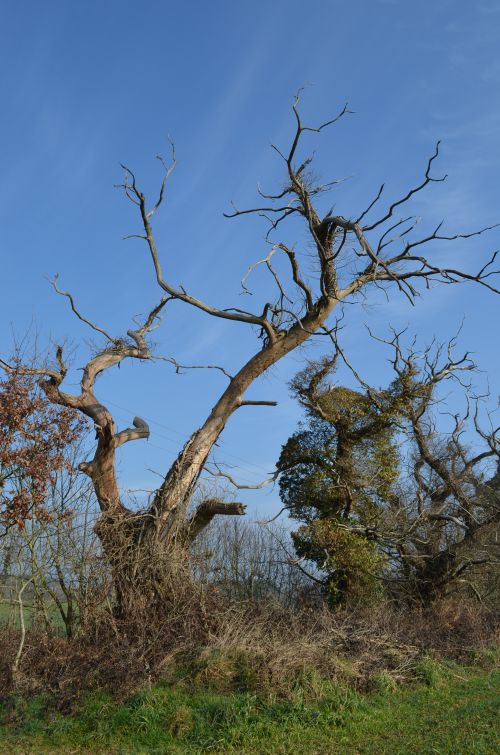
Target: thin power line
(161,448)
(184,437)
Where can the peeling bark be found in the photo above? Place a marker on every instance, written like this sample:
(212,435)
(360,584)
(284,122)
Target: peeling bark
(339,245)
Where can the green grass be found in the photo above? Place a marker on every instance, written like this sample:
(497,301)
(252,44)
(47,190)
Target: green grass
(9,614)
(451,710)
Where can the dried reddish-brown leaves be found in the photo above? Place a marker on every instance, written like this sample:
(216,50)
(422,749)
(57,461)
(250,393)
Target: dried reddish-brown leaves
(34,436)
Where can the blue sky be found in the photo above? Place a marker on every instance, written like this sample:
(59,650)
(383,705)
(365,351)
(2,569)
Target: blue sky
(85,86)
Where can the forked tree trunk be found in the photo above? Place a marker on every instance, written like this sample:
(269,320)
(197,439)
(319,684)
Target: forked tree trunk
(143,546)
(148,551)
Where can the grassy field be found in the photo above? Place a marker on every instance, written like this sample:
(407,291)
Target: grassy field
(9,614)
(451,710)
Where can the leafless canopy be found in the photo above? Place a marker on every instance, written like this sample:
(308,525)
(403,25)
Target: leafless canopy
(351,254)
(442,518)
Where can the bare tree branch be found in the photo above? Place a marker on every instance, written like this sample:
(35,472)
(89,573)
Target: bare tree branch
(77,312)
(239,486)
(427,179)
(206,511)
(179,367)
(141,430)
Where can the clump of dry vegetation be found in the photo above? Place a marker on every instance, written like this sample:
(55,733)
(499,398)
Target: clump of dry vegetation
(249,646)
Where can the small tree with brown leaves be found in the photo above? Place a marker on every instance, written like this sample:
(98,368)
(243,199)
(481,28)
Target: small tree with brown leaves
(351,256)
(34,436)
(37,439)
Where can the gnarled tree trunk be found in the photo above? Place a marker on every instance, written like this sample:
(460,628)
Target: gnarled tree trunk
(143,547)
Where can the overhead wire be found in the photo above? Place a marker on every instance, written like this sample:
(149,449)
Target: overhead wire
(185,437)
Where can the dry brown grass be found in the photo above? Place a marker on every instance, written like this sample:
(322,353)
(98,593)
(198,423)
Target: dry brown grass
(250,646)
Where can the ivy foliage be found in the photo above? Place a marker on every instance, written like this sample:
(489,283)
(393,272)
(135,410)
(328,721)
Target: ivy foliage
(337,474)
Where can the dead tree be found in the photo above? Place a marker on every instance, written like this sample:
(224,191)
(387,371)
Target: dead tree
(351,255)
(445,519)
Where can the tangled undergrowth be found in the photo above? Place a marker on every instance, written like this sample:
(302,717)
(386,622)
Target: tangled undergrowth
(249,647)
